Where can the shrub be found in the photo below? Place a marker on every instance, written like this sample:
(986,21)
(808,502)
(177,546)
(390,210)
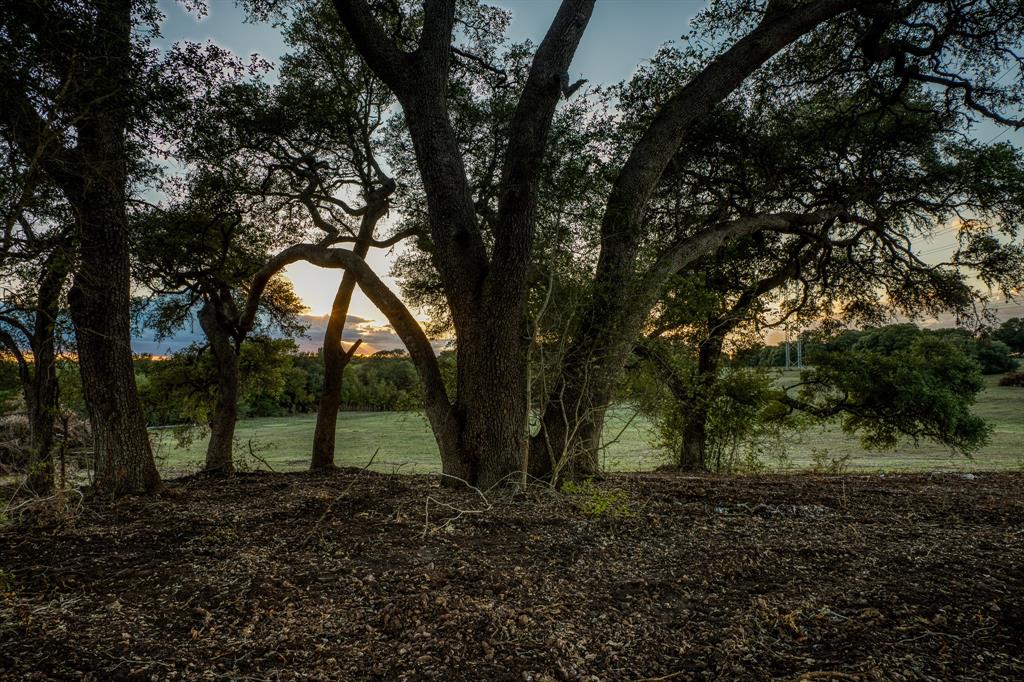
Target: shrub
(1013,379)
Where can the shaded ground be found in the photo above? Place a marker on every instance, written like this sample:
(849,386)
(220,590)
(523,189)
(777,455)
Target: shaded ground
(363,575)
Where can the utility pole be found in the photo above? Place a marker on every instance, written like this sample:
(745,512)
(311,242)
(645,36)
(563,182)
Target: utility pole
(787,353)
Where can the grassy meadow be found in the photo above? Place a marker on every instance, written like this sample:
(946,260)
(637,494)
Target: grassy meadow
(403,443)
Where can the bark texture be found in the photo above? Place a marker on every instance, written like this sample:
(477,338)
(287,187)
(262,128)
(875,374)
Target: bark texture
(219,451)
(337,358)
(45,392)
(99,302)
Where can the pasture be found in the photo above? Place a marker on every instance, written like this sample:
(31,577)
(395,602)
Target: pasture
(403,443)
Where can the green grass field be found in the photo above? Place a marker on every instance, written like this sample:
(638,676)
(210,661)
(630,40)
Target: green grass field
(402,442)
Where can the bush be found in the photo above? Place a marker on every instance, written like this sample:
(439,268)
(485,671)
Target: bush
(1013,379)
(14,442)
(994,357)
(15,438)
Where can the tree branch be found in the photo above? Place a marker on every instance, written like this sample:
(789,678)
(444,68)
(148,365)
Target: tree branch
(438,405)
(527,139)
(660,142)
(370,38)
(685,252)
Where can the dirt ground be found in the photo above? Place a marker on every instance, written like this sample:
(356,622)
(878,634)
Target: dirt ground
(369,576)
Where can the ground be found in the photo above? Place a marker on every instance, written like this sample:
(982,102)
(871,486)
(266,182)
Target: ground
(402,442)
(362,575)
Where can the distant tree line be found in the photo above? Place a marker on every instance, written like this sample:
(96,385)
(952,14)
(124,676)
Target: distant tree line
(993,351)
(276,380)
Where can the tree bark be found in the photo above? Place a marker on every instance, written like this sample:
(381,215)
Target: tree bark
(693,455)
(335,361)
(491,403)
(99,300)
(335,357)
(573,416)
(44,405)
(219,459)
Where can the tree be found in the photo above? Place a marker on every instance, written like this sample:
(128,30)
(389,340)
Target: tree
(885,384)
(992,356)
(484,275)
(183,390)
(764,157)
(1011,332)
(865,53)
(202,254)
(893,382)
(36,259)
(306,147)
(709,417)
(72,79)
(324,74)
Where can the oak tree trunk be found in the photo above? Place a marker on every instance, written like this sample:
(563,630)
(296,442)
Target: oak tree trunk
(45,392)
(99,303)
(693,455)
(491,404)
(99,300)
(573,418)
(335,357)
(335,361)
(219,451)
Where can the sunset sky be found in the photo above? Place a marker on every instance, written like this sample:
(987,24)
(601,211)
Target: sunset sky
(620,36)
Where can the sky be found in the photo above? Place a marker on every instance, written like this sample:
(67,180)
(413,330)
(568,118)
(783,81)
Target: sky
(620,36)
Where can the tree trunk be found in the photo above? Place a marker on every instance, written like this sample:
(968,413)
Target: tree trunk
(335,357)
(573,417)
(42,414)
(335,361)
(568,442)
(100,298)
(219,451)
(491,403)
(693,456)
(45,392)
(99,302)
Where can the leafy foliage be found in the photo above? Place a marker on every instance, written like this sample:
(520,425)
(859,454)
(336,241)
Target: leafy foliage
(275,381)
(894,382)
(1011,332)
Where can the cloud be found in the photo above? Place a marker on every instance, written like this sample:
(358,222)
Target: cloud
(375,337)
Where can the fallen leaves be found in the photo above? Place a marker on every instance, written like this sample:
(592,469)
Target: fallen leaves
(781,577)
